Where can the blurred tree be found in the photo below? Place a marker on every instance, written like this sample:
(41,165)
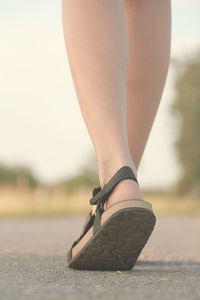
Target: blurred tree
(87,176)
(187,107)
(17,175)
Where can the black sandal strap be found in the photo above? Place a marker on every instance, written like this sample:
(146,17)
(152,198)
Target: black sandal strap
(88,225)
(124,172)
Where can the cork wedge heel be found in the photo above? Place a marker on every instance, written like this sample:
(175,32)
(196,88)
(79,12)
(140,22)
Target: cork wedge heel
(113,239)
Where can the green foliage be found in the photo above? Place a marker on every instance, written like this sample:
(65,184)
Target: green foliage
(17,176)
(187,107)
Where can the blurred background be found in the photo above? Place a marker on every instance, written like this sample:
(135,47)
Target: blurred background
(47,161)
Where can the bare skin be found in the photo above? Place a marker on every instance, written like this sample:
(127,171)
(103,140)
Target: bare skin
(118,53)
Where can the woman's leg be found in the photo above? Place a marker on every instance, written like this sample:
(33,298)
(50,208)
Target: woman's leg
(96,40)
(149,30)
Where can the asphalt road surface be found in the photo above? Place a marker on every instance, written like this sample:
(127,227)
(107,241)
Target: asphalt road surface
(33,263)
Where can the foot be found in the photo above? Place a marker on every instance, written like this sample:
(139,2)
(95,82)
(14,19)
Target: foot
(124,190)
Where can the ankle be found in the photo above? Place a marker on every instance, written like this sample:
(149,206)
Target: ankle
(109,168)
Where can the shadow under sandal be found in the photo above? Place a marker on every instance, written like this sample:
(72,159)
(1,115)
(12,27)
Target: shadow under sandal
(113,239)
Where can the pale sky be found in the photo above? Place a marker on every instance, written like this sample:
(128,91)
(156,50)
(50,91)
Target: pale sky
(41,125)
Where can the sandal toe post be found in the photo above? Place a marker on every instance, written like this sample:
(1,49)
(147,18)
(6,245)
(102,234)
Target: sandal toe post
(113,239)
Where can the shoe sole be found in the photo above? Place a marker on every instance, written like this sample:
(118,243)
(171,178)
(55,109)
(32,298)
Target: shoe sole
(118,242)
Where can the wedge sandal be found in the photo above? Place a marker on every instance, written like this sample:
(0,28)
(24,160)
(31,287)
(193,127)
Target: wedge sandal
(113,238)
